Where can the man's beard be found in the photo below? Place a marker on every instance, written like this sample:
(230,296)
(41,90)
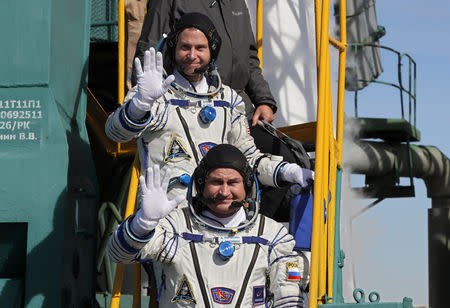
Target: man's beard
(199,71)
(234,204)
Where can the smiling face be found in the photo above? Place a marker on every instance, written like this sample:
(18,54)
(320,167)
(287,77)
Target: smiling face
(224,185)
(191,53)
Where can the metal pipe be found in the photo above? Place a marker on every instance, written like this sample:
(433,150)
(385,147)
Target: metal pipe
(321,134)
(431,165)
(331,212)
(328,136)
(438,251)
(318,20)
(378,158)
(337,44)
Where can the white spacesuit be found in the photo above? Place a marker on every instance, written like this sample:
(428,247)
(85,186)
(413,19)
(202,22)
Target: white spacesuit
(209,264)
(174,136)
(236,257)
(193,266)
(178,118)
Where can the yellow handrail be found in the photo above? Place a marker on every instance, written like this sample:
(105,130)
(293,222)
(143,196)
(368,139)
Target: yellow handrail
(320,158)
(328,155)
(130,208)
(134,181)
(259,30)
(121,51)
(121,55)
(318,20)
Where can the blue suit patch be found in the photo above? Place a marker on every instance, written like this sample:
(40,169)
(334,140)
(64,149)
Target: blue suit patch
(205,147)
(258,295)
(222,295)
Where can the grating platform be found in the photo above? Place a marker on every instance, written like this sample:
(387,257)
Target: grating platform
(394,130)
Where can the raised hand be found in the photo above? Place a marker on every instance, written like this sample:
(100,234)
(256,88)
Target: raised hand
(150,81)
(154,202)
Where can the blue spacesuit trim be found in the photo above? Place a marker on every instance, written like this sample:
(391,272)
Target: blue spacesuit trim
(165,116)
(145,120)
(164,241)
(145,148)
(122,240)
(277,174)
(245,239)
(250,150)
(134,236)
(173,240)
(123,122)
(186,103)
(162,118)
(235,119)
(233,99)
(291,296)
(117,252)
(254,240)
(237,103)
(276,239)
(294,301)
(219,103)
(192,237)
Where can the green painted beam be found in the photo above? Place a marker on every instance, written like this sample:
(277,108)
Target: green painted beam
(398,130)
(48,181)
(406,303)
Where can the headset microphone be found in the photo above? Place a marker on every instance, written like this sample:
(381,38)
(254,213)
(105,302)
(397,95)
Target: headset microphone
(202,69)
(238,203)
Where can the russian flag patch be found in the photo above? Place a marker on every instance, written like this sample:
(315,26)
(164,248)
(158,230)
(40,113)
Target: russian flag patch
(293,273)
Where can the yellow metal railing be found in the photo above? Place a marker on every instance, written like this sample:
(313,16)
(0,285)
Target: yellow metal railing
(328,148)
(328,155)
(259,30)
(134,181)
(130,208)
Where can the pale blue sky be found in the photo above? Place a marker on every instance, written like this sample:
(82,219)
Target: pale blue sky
(392,254)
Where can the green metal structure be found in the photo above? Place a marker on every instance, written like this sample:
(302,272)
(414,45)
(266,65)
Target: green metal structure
(48,185)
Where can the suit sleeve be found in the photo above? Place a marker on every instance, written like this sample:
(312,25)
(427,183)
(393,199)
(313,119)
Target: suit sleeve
(120,127)
(159,245)
(285,268)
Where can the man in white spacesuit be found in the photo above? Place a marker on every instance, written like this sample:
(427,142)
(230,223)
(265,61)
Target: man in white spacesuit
(178,118)
(219,250)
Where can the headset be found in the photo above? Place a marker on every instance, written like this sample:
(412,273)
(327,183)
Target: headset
(183,92)
(250,203)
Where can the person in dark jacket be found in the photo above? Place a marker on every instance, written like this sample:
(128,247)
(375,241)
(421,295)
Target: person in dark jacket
(238,66)
(237,63)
